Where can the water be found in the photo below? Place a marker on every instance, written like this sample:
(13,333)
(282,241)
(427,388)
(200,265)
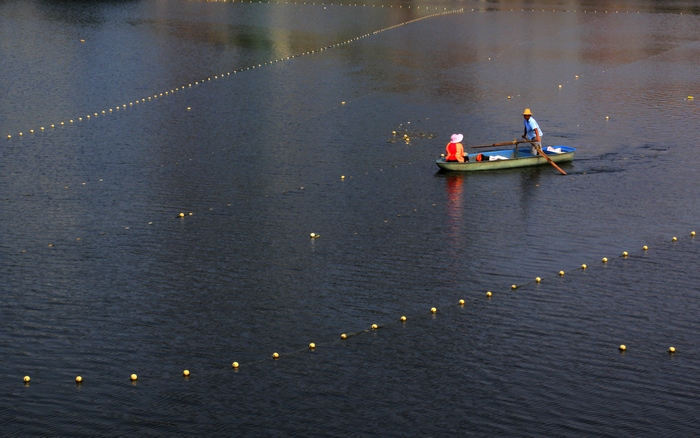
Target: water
(102,277)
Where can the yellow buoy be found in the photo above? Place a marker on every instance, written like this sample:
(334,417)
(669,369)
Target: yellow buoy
(375,326)
(488,294)
(605,259)
(342,176)
(235,364)
(461,302)
(182,214)
(312,346)
(343,336)
(433,310)
(624,254)
(583,266)
(538,279)
(690,97)
(561,273)
(645,248)
(134,377)
(186,373)
(403,319)
(513,286)
(78,379)
(623,347)
(672,350)
(26,379)
(674,238)
(692,233)
(275,355)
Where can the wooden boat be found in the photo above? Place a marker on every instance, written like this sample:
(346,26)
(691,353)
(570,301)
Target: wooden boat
(514,157)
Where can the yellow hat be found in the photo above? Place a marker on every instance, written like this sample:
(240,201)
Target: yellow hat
(527,112)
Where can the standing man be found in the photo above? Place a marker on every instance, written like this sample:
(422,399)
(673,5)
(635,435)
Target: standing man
(532,131)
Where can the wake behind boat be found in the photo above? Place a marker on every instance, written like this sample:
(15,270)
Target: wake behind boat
(508,159)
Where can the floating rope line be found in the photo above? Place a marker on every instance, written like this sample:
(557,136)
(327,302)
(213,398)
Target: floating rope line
(155,96)
(149,98)
(236,366)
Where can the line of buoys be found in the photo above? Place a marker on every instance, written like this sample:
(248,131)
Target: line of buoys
(173,90)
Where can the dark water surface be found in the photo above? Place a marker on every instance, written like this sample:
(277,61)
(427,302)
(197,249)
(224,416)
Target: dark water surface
(101,277)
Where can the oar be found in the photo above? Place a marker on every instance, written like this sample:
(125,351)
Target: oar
(541,152)
(505,143)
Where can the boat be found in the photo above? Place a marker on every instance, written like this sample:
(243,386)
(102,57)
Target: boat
(508,159)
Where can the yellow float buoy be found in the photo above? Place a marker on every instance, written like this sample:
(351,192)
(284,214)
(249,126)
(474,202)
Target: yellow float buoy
(513,286)
(134,377)
(461,302)
(583,266)
(433,310)
(561,273)
(692,233)
(623,347)
(488,294)
(674,238)
(644,248)
(343,336)
(375,326)
(605,259)
(312,346)
(538,279)
(672,350)
(26,379)
(624,254)
(403,319)
(234,365)
(78,379)
(342,176)
(186,373)
(182,214)
(275,355)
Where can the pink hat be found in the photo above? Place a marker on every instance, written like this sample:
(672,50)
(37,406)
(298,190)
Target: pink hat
(456,138)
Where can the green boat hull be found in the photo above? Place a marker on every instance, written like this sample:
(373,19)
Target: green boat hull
(524,158)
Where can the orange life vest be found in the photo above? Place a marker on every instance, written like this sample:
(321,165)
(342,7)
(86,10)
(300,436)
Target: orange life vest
(451,152)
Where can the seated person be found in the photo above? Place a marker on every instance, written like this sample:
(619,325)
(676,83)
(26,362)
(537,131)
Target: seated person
(455,150)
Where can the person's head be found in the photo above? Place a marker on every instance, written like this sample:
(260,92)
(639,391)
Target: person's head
(527,113)
(456,138)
